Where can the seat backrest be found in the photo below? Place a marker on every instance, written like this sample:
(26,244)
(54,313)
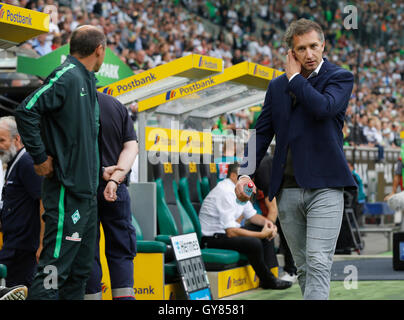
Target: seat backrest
(139,233)
(191,173)
(172,218)
(208,178)
(189,185)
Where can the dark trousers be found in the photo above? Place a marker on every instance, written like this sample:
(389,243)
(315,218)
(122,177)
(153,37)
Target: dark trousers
(120,246)
(68,246)
(260,252)
(21,266)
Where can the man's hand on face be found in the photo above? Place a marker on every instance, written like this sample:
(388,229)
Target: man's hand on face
(292,65)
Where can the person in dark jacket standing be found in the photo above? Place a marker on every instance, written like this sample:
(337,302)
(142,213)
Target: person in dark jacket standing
(20,212)
(59,125)
(118,152)
(305,109)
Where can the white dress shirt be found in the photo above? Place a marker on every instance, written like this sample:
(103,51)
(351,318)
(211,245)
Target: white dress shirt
(220,210)
(314,73)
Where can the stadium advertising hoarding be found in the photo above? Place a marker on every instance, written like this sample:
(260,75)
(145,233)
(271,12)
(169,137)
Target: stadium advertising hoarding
(19,24)
(186,66)
(247,73)
(181,141)
(112,70)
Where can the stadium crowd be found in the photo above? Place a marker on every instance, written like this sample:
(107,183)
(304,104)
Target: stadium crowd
(145,34)
(148,33)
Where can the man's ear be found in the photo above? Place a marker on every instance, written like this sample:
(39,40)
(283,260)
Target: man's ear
(98,50)
(19,141)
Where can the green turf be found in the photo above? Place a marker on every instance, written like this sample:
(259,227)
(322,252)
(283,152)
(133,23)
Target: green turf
(367,290)
(387,253)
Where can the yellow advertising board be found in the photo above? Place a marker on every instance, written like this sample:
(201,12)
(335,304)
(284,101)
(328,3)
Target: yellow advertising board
(236,280)
(149,276)
(1,240)
(19,24)
(182,141)
(233,281)
(174,291)
(191,66)
(246,73)
(105,281)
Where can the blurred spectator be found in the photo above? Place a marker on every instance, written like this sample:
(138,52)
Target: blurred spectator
(220,218)
(41,46)
(360,195)
(374,136)
(20,212)
(228,156)
(56,43)
(397,180)
(148,33)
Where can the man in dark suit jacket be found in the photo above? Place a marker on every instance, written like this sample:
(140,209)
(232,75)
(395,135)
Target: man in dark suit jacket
(305,109)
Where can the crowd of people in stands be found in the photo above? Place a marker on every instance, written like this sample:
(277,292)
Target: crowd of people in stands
(148,33)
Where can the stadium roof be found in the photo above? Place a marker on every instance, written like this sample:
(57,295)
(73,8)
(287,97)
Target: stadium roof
(164,77)
(238,87)
(19,24)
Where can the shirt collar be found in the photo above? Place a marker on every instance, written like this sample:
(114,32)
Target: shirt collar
(13,159)
(315,72)
(229,181)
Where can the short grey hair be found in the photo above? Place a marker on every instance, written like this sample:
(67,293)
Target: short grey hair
(8,123)
(299,27)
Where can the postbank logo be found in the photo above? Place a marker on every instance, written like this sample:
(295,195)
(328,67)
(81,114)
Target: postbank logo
(15,16)
(260,72)
(188,89)
(196,86)
(228,283)
(189,139)
(204,62)
(1,11)
(156,139)
(170,94)
(134,83)
(144,290)
(104,287)
(108,90)
(236,282)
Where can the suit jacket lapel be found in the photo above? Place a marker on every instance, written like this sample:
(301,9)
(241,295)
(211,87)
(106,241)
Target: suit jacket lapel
(323,70)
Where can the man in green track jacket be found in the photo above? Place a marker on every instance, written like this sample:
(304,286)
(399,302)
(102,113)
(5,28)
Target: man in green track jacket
(59,126)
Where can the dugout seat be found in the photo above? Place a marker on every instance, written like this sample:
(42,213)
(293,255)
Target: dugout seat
(174,220)
(148,246)
(208,178)
(189,187)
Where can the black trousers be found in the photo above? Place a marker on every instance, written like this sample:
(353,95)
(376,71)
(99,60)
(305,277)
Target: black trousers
(21,266)
(260,252)
(120,245)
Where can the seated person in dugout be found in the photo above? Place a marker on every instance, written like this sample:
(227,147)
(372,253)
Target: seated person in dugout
(220,218)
